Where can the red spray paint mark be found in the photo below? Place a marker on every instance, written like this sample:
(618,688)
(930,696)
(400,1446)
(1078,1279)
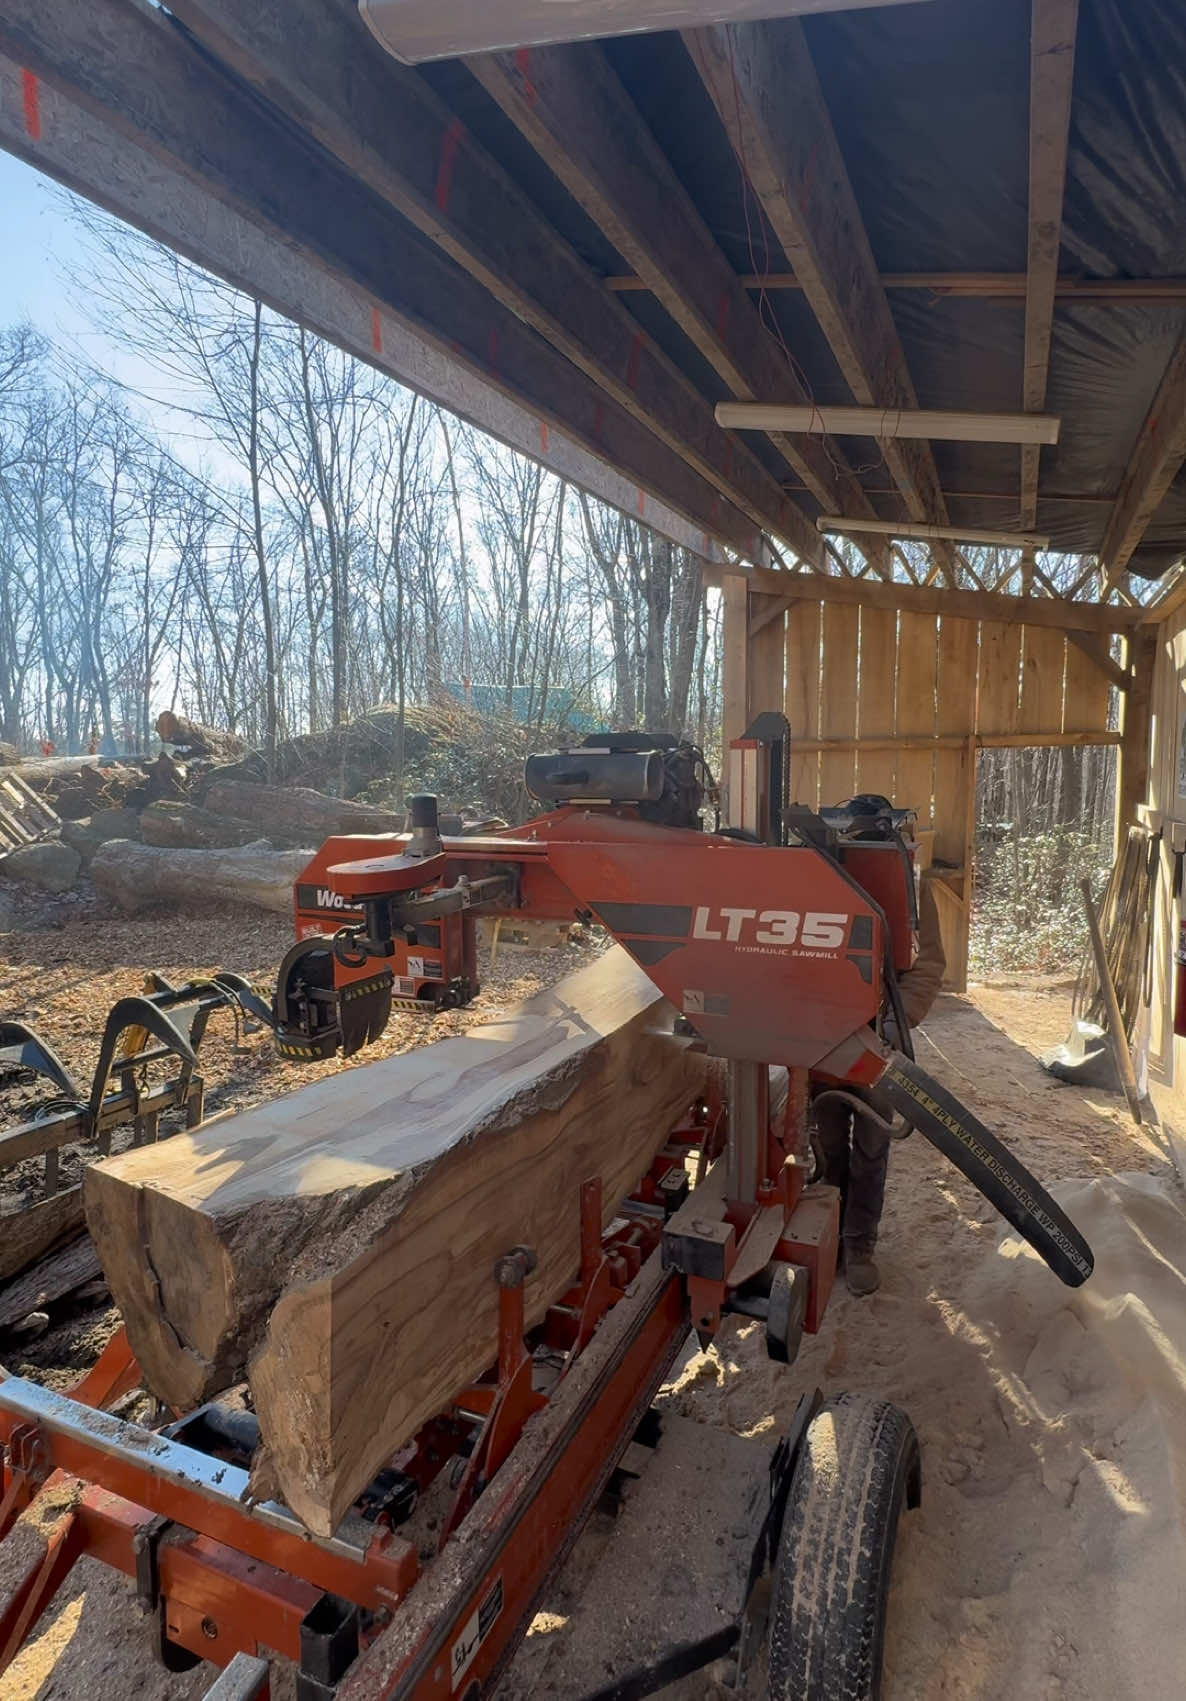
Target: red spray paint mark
(523,66)
(642,505)
(449,149)
(31,90)
(543,437)
(634,362)
(376,331)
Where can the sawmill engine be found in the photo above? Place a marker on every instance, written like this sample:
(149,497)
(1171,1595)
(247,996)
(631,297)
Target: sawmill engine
(665,777)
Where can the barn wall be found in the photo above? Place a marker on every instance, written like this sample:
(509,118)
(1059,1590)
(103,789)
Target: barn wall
(1166,809)
(895,701)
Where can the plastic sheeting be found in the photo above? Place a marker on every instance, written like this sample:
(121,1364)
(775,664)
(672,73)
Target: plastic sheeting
(930,103)
(931,109)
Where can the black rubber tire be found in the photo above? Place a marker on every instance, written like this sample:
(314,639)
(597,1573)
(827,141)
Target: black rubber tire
(858,1468)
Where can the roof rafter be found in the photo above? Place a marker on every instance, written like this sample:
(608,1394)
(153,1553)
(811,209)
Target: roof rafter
(763,83)
(1158,454)
(251,190)
(571,106)
(1052,71)
(318,61)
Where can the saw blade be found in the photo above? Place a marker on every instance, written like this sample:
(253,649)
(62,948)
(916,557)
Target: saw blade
(990,1166)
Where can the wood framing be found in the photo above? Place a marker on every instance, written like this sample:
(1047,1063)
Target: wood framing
(895,689)
(439,337)
(764,86)
(1092,617)
(383,122)
(1052,71)
(1133,781)
(972,286)
(570,105)
(1156,458)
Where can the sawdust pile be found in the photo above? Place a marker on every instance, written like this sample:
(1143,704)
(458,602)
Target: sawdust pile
(1048,1559)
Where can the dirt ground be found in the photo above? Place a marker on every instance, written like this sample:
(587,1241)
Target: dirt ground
(1044,1561)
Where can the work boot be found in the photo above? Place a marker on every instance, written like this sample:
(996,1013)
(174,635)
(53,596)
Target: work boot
(860,1270)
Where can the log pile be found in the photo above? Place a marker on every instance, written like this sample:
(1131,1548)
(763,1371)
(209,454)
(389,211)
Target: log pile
(205,794)
(339,1245)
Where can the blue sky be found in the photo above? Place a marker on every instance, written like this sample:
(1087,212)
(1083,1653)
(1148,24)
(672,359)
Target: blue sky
(40,247)
(43,267)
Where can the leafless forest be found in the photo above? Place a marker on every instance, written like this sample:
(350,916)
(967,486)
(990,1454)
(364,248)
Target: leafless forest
(308,540)
(273,537)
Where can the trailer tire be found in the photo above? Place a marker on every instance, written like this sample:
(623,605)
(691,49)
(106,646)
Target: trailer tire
(859,1465)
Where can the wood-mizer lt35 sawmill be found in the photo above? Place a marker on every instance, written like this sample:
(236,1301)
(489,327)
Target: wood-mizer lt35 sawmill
(778,939)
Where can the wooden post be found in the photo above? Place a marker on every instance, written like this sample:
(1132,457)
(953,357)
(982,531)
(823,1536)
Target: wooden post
(1132,781)
(735,599)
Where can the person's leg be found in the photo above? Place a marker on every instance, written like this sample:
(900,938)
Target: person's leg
(867,1165)
(833,1123)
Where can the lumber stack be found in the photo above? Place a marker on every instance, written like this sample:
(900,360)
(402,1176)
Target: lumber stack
(338,1245)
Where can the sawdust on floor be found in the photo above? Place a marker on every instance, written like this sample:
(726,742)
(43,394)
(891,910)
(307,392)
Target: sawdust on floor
(1046,1560)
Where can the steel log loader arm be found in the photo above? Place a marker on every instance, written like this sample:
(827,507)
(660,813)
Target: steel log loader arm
(778,939)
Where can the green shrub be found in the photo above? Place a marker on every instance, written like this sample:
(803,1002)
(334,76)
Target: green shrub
(1027,912)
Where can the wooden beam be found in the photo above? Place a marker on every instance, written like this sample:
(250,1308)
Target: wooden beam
(1097,651)
(1169,599)
(735,662)
(385,124)
(889,425)
(1136,721)
(933,599)
(1157,456)
(571,106)
(339,1246)
(773,609)
(278,220)
(763,83)
(958,741)
(1052,71)
(973,286)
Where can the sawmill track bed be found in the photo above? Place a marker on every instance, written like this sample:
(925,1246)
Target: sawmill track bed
(1047,1558)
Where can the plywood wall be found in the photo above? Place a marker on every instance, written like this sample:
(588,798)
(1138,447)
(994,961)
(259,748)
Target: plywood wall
(889,701)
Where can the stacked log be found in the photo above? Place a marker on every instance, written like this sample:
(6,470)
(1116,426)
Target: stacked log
(136,876)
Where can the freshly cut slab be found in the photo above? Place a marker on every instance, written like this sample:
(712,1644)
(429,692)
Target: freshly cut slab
(339,1244)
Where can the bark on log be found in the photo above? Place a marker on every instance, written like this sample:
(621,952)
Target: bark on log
(295,813)
(183,826)
(38,771)
(134,876)
(195,738)
(339,1245)
(26,1236)
(51,1279)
